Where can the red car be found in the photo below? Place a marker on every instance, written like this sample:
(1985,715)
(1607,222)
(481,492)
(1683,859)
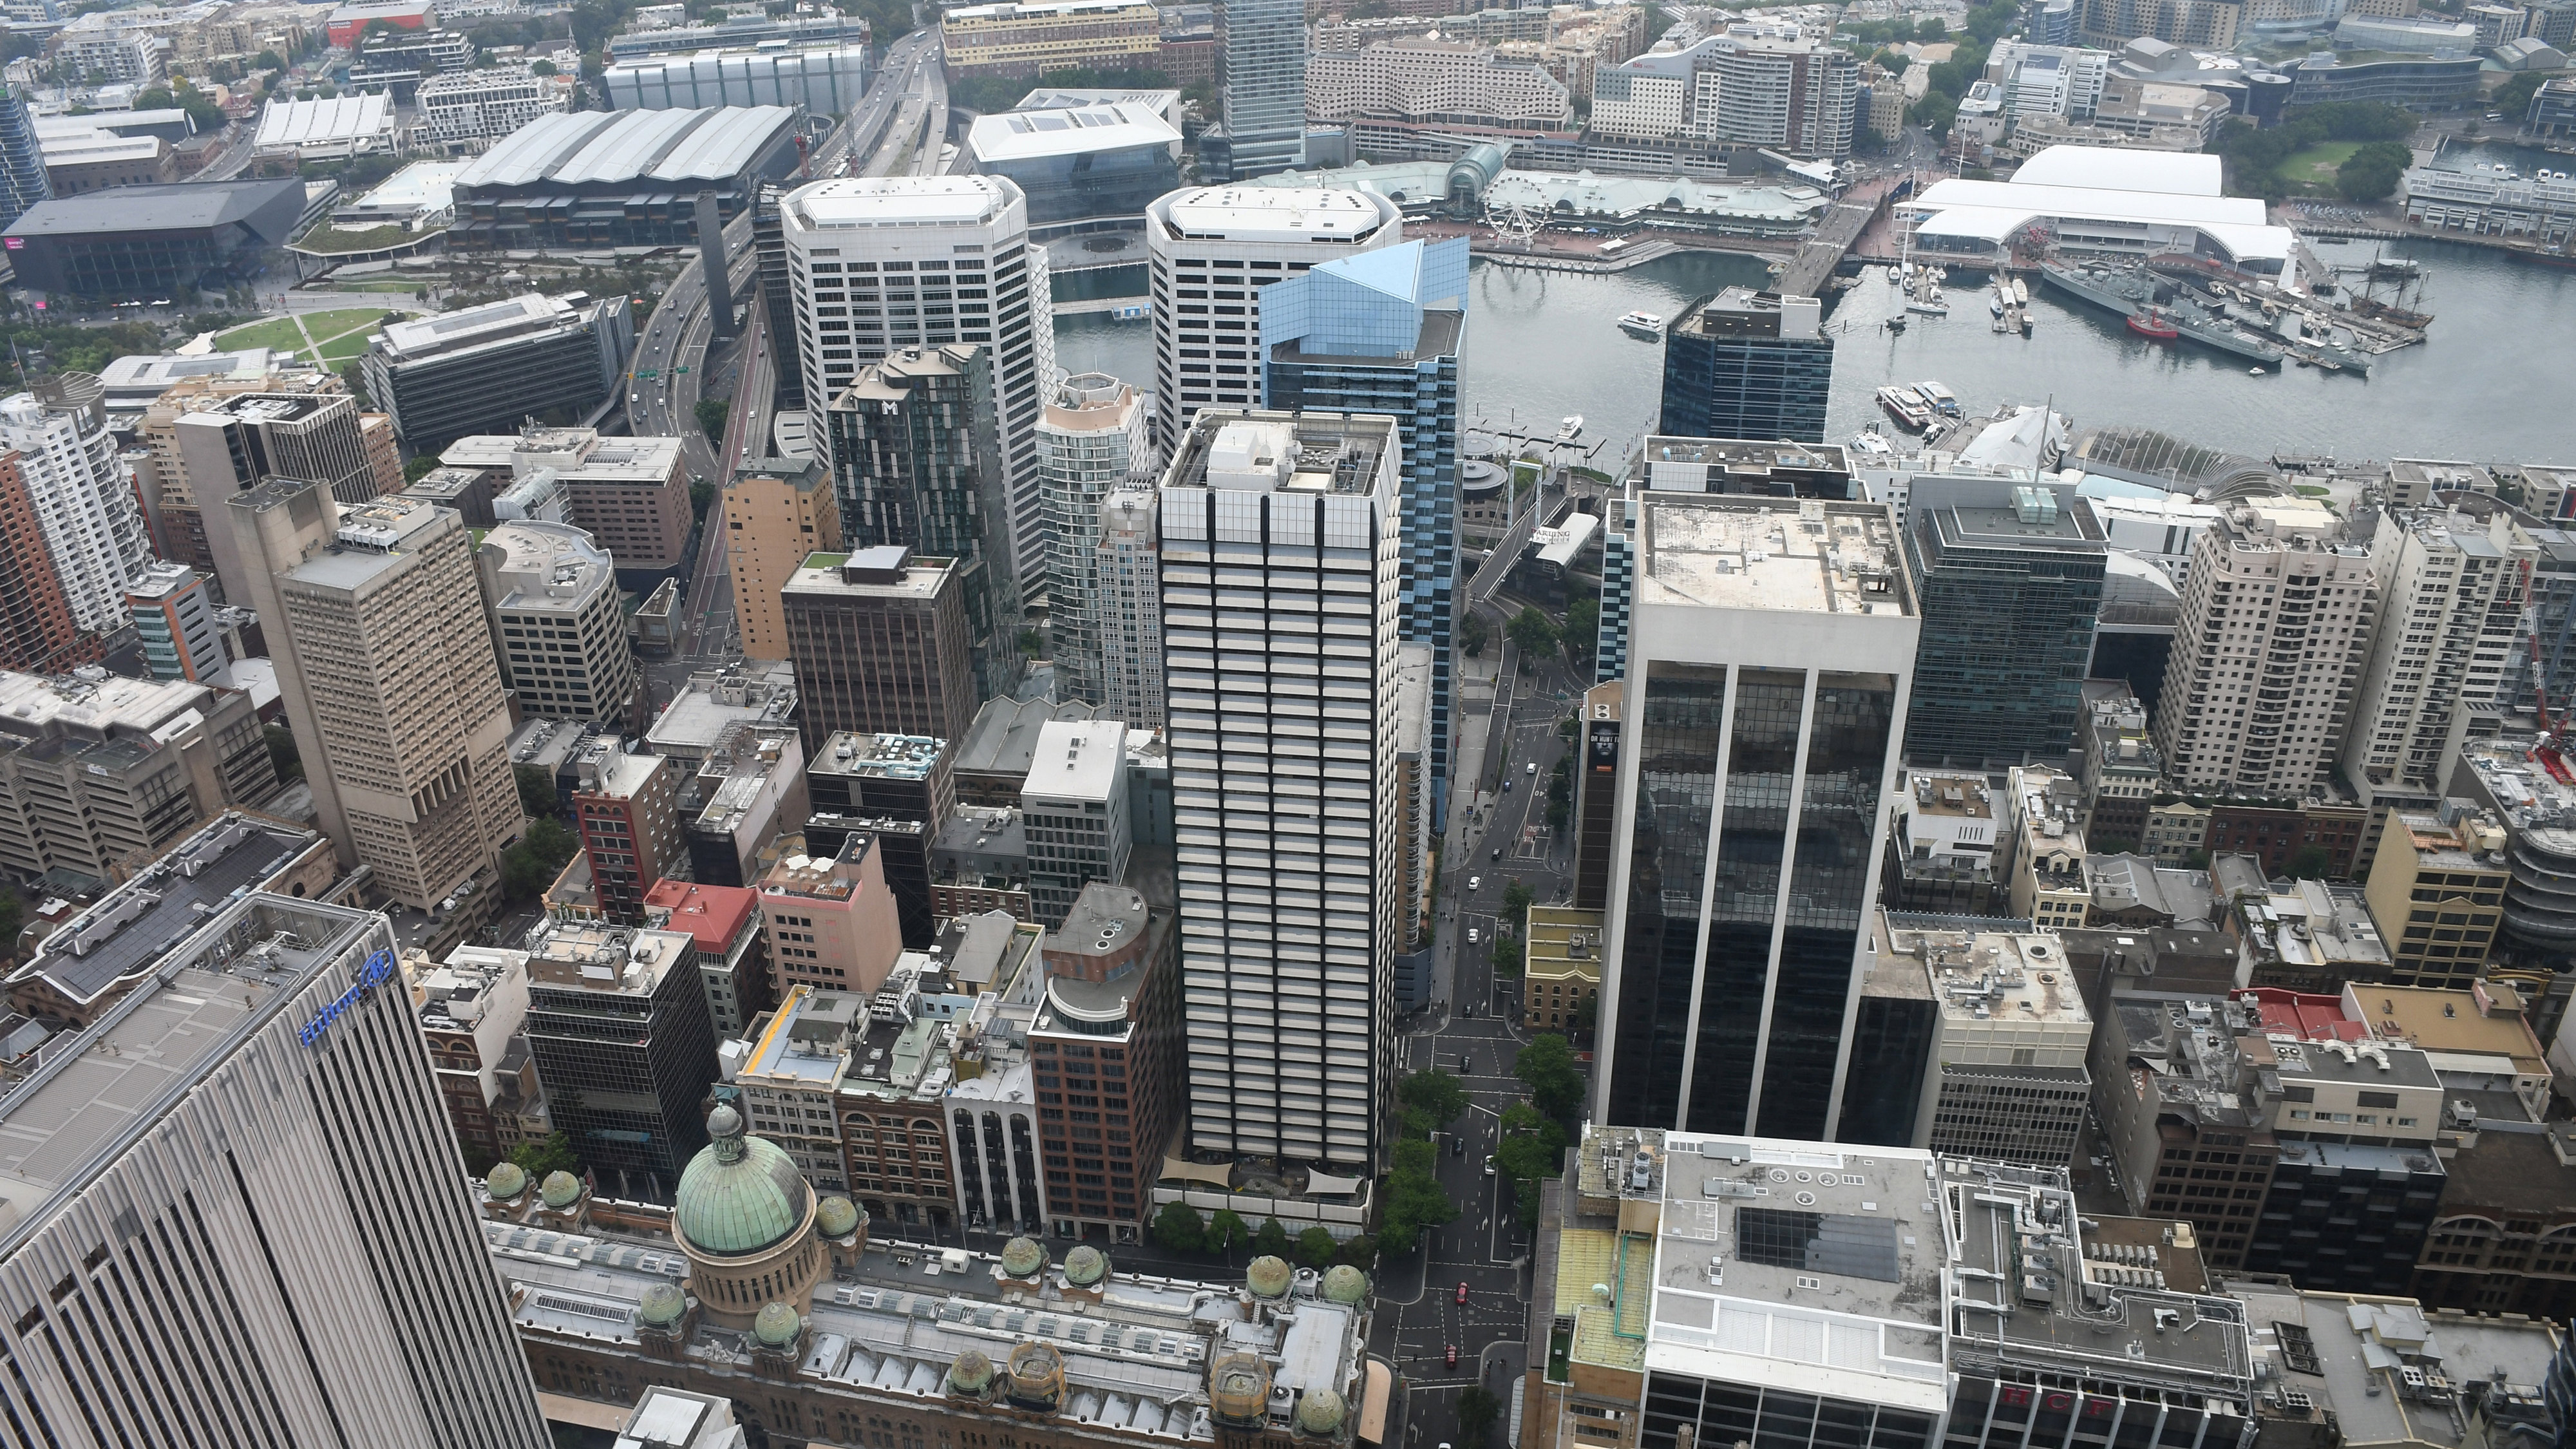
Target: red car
(1462,1292)
(1453,1355)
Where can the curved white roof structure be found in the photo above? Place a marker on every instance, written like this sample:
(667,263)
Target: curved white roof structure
(583,147)
(338,121)
(2102,199)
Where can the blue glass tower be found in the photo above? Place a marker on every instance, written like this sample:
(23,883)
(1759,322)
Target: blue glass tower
(22,165)
(1380,333)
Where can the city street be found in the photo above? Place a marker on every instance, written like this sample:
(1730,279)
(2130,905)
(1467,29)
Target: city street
(1471,1029)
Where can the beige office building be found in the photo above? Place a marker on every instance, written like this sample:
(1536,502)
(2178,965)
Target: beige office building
(2455,589)
(2276,625)
(178,521)
(557,628)
(376,626)
(775,515)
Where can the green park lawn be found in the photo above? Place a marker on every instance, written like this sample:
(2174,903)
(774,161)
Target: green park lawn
(338,335)
(2313,170)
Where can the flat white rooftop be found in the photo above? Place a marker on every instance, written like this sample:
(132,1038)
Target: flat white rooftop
(1265,213)
(1077,760)
(1741,552)
(902,201)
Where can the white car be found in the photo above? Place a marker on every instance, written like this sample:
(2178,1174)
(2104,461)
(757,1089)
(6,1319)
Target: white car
(1533,767)
(1471,935)
(1475,883)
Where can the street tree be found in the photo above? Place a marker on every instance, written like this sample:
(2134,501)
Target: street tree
(1272,1241)
(537,797)
(1478,1412)
(1555,1080)
(1227,1230)
(1473,634)
(553,1154)
(1180,1228)
(1533,633)
(1434,1093)
(1532,1149)
(1315,1249)
(1414,1197)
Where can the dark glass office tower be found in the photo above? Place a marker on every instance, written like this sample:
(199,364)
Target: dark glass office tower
(2010,575)
(1768,653)
(1747,364)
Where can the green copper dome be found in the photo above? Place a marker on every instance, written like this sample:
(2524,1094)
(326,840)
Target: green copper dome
(1319,1413)
(662,1305)
(838,1217)
(1345,1284)
(560,1189)
(740,1194)
(775,1325)
(1085,1266)
(970,1373)
(1023,1258)
(1268,1277)
(506,1182)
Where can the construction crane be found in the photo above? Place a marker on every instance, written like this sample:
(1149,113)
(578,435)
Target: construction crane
(2552,746)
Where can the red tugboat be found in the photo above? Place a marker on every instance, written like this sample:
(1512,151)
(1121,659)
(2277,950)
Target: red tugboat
(2151,324)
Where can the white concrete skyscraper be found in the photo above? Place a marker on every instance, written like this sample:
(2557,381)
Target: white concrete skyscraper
(1264,46)
(83,495)
(1213,249)
(879,265)
(1770,649)
(231,1210)
(1130,610)
(1281,557)
(1091,443)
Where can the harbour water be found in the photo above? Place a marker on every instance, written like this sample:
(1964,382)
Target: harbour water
(2494,382)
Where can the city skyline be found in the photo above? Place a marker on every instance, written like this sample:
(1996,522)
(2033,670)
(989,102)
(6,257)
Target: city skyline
(1355,772)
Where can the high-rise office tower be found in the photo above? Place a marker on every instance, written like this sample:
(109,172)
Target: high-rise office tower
(1091,443)
(375,623)
(100,776)
(557,625)
(1747,364)
(2455,589)
(880,644)
(777,296)
(2008,574)
(884,264)
(1264,45)
(37,631)
(170,505)
(1381,333)
(82,492)
(915,462)
(1289,528)
(625,1046)
(2277,614)
(626,812)
(777,513)
(1213,250)
(161,1286)
(1074,809)
(1770,648)
(1130,610)
(23,181)
(176,622)
(229,444)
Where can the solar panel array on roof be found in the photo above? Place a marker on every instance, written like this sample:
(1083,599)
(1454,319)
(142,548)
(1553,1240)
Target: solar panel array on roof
(1844,1244)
